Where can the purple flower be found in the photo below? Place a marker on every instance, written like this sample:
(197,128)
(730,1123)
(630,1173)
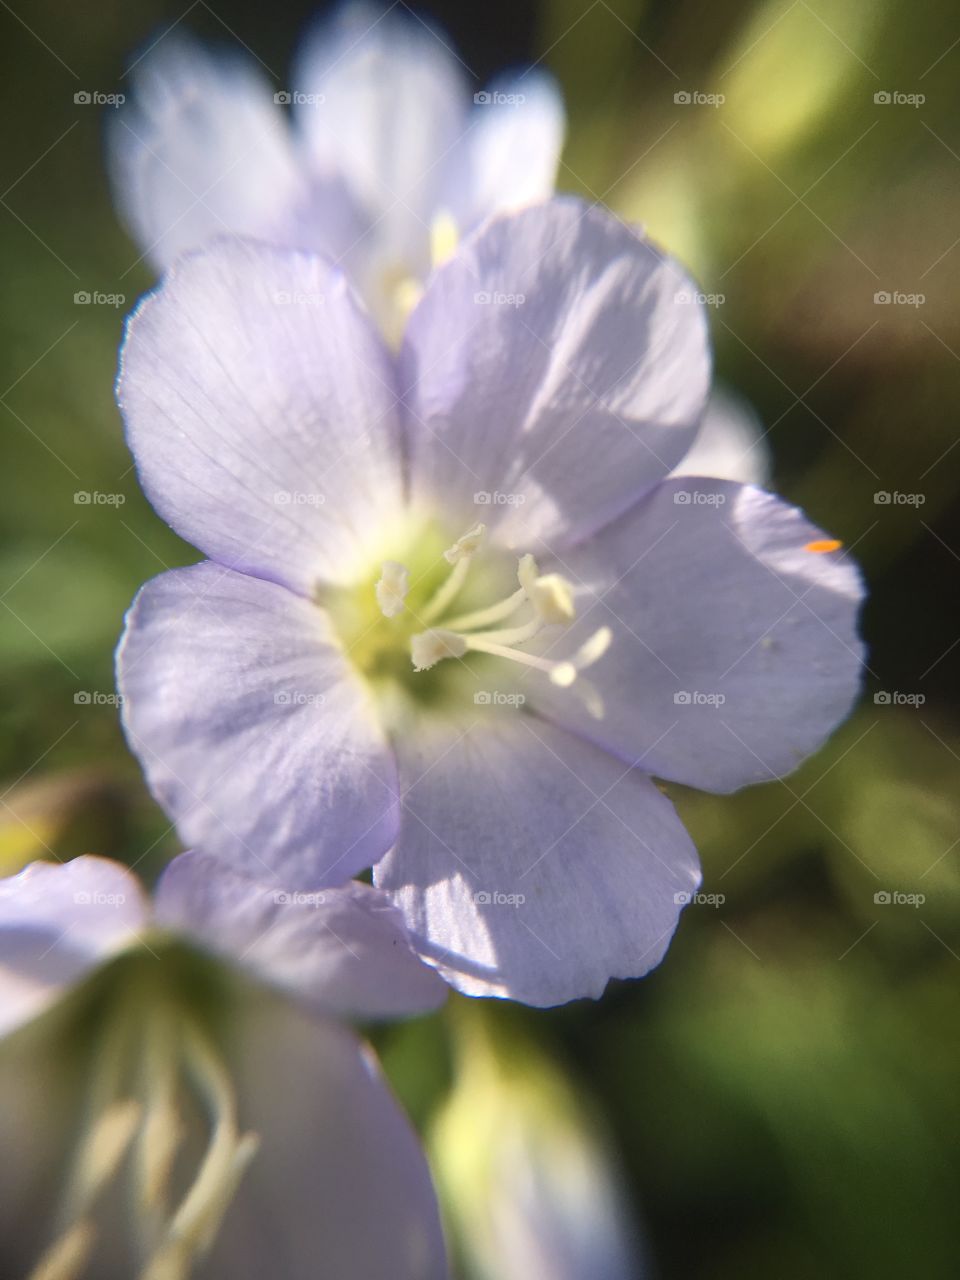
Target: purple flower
(456,612)
(331,1155)
(386,163)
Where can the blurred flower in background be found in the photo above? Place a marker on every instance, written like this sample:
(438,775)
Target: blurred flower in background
(730,445)
(528,1174)
(386,166)
(161,1028)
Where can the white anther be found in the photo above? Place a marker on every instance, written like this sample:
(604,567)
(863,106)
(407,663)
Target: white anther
(592,650)
(551,595)
(459,555)
(429,647)
(466,545)
(392,588)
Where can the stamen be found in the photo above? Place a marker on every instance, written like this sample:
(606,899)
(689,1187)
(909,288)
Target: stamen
(96,1163)
(510,635)
(162,1130)
(146,1042)
(429,647)
(197,1220)
(113,1117)
(551,595)
(527,571)
(104,1149)
(590,697)
(591,651)
(406,294)
(466,545)
(493,613)
(459,555)
(391,590)
(563,675)
(512,655)
(67,1258)
(160,1138)
(443,238)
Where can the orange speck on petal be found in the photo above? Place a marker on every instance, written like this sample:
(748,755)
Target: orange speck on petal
(824,544)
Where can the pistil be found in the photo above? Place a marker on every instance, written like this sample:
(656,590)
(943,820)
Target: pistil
(459,555)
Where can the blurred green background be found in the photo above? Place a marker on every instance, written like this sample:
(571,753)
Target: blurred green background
(781,1096)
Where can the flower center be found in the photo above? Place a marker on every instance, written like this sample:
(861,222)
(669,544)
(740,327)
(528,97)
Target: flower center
(422,622)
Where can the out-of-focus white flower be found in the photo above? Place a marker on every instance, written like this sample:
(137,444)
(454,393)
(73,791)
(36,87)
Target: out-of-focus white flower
(731,444)
(382,163)
(528,1178)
